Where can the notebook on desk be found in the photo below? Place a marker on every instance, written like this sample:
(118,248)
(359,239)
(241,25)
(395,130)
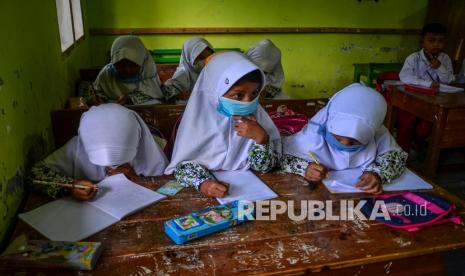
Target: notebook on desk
(244,185)
(344,182)
(70,220)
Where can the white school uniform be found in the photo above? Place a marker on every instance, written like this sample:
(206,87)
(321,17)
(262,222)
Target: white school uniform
(417,70)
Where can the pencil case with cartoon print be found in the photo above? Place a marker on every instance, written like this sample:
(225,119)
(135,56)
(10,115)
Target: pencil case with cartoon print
(207,221)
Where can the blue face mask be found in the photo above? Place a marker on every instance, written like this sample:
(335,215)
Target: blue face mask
(228,107)
(335,144)
(133,79)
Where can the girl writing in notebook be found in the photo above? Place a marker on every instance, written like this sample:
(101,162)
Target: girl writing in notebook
(131,78)
(347,133)
(111,139)
(224,127)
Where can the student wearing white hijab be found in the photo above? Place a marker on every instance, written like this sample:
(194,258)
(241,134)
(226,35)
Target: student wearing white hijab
(347,133)
(193,55)
(111,139)
(268,57)
(224,127)
(130,78)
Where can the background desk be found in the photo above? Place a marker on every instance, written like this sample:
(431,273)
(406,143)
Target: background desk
(446,111)
(137,245)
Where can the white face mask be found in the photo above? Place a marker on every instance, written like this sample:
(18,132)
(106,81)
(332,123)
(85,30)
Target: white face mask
(198,65)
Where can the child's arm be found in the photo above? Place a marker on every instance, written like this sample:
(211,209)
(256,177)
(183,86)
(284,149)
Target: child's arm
(409,76)
(43,173)
(178,83)
(389,165)
(391,160)
(192,174)
(293,164)
(445,71)
(262,157)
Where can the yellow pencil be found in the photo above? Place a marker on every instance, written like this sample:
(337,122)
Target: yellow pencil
(316,160)
(313,157)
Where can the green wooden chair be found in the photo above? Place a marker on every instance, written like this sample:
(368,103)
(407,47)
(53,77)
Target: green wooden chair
(370,71)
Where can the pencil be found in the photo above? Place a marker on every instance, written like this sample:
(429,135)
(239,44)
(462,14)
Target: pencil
(313,157)
(430,75)
(316,160)
(64,185)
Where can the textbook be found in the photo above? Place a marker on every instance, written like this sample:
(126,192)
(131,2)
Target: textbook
(344,182)
(51,254)
(71,220)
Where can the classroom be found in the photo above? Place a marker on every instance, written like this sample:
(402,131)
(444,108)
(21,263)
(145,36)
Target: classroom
(220,137)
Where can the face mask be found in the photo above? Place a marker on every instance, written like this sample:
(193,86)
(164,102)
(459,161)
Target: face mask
(198,65)
(115,74)
(228,107)
(335,144)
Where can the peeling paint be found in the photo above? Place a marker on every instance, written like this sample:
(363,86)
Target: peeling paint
(14,104)
(350,46)
(8,129)
(391,49)
(16,183)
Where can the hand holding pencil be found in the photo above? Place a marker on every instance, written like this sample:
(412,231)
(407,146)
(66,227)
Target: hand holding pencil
(80,189)
(315,172)
(83,193)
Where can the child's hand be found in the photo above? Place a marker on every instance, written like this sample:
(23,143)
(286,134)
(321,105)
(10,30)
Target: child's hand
(370,182)
(214,188)
(315,172)
(248,127)
(126,169)
(83,194)
(434,61)
(435,85)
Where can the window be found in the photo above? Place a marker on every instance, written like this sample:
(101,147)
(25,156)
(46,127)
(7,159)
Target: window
(69,22)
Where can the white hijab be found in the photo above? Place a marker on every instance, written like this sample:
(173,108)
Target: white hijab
(357,112)
(109,135)
(131,48)
(207,137)
(186,74)
(268,57)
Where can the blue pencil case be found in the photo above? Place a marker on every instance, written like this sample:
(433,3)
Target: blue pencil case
(207,221)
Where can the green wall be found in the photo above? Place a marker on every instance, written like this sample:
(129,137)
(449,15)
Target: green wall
(37,78)
(316,65)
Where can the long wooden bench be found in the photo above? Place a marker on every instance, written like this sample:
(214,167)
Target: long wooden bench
(65,122)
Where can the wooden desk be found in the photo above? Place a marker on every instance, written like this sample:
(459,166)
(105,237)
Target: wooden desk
(445,111)
(137,245)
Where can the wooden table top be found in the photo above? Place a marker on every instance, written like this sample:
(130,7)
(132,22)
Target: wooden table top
(447,100)
(137,245)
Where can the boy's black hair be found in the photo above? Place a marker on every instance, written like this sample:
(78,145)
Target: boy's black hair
(435,28)
(252,76)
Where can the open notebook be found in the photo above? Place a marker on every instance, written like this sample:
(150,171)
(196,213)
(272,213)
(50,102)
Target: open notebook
(244,185)
(70,220)
(345,180)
